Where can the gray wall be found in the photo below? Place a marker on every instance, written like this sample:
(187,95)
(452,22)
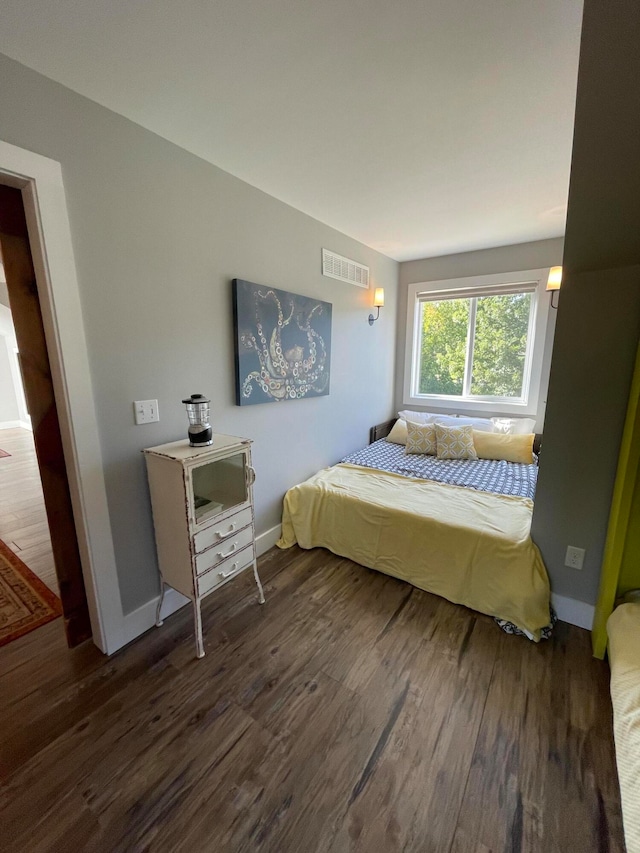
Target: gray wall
(524,256)
(599,314)
(158,235)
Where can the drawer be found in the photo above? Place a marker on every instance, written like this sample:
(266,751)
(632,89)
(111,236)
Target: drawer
(226,570)
(221,530)
(226,548)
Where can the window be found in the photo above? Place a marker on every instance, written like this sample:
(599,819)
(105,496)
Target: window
(477,341)
(474,346)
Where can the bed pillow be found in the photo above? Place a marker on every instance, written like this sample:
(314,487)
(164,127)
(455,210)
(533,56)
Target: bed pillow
(421,438)
(483,424)
(418,417)
(514,426)
(510,448)
(455,442)
(447,420)
(398,434)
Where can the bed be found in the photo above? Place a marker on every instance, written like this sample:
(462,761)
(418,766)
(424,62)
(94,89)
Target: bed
(623,629)
(456,528)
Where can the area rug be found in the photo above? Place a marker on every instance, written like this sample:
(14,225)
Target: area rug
(4,453)
(25,602)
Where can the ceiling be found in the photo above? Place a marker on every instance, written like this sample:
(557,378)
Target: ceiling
(419,127)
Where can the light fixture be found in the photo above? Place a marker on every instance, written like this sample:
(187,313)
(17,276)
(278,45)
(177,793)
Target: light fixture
(554,281)
(378,302)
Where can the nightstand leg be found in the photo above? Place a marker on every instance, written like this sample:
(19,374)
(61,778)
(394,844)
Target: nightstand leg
(159,607)
(197,617)
(257,577)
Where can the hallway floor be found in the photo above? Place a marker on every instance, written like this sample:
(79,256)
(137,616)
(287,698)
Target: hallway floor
(23,520)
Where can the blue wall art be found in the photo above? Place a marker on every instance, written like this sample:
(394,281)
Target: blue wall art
(282,342)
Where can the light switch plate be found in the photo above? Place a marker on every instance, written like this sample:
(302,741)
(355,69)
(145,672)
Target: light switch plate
(146,411)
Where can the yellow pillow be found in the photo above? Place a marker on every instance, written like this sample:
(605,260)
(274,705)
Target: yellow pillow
(398,434)
(455,442)
(510,448)
(421,438)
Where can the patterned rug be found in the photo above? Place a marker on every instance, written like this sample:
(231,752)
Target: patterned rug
(4,453)
(25,602)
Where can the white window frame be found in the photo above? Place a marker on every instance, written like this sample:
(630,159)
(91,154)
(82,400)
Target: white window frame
(534,281)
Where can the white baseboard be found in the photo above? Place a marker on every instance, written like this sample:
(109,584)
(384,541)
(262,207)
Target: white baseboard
(268,539)
(573,611)
(15,425)
(144,617)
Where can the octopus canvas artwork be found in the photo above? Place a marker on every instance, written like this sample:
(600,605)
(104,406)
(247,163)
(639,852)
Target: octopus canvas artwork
(283,344)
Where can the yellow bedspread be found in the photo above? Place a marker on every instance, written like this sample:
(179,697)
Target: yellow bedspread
(471,547)
(623,628)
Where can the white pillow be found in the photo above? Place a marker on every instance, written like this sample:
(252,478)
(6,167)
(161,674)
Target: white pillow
(514,426)
(418,417)
(481,424)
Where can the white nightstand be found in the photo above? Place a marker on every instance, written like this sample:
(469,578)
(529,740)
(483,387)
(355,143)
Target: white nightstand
(202,501)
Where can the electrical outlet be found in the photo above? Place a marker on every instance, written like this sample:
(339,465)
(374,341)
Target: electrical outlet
(574,557)
(146,411)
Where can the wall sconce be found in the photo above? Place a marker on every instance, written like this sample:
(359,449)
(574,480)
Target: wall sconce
(378,302)
(554,281)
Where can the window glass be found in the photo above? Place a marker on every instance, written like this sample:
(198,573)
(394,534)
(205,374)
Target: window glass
(478,343)
(444,327)
(474,347)
(500,345)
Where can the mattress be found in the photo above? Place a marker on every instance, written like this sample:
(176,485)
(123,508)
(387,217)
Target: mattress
(623,628)
(484,475)
(472,547)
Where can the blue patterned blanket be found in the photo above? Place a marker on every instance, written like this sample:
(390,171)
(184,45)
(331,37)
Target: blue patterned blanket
(485,475)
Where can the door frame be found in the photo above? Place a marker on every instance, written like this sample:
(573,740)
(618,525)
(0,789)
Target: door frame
(40,181)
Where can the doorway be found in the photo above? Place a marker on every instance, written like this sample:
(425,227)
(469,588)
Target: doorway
(41,402)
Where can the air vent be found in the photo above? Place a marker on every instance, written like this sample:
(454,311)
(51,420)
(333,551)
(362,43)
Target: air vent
(344,269)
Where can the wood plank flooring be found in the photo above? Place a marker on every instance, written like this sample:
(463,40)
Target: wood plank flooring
(23,519)
(350,713)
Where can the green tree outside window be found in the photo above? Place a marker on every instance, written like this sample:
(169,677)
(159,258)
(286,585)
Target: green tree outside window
(500,333)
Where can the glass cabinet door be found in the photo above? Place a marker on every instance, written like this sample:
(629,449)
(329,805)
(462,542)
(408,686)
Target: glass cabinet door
(219,485)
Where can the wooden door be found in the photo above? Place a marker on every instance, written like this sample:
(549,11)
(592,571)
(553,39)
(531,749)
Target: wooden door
(38,387)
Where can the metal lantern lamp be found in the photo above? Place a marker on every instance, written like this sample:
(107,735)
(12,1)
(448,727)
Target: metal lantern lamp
(200,433)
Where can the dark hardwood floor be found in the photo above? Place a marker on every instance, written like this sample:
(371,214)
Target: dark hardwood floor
(350,713)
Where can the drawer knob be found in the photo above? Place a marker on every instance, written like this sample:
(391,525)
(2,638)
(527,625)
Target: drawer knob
(228,574)
(231,529)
